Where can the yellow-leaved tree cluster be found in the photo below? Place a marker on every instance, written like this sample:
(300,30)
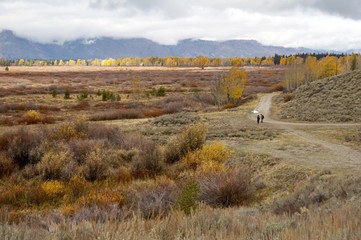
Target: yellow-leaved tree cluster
(302,71)
(227,87)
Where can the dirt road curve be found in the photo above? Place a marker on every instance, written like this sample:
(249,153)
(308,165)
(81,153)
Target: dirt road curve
(341,156)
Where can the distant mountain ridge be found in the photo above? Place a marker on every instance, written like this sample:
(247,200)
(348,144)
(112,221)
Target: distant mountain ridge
(14,47)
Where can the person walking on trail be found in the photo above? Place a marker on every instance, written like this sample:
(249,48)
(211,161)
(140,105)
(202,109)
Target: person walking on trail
(258,119)
(262,117)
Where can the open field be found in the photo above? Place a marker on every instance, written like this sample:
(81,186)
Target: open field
(131,177)
(186,89)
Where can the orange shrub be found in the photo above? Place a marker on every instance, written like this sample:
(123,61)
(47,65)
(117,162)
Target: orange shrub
(229,105)
(154,113)
(104,199)
(77,186)
(277,87)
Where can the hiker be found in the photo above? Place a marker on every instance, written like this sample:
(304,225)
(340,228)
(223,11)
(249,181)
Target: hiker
(262,117)
(257,119)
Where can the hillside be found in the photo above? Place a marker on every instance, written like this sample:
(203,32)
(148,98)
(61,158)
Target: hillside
(14,47)
(334,99)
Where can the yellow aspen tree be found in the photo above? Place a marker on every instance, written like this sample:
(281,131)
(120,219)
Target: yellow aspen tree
(235,83)
(203,61)
(78,62)
(283,61)
(310,68)
(96,62)
(216,62)
(55,62)
(61,63)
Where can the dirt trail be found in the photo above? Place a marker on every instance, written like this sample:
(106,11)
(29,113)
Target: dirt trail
(339,156)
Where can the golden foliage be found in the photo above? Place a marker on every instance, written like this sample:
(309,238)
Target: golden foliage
(104,199)
(210,155)
(70,130)
(189,140)
(32,117)
(53,188)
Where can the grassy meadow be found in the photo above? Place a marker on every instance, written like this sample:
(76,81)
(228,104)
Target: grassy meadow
(148,155)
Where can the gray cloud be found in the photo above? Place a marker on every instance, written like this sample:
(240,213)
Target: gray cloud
(315,23)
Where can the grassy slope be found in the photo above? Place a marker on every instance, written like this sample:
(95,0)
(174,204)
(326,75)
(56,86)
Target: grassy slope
(335,99)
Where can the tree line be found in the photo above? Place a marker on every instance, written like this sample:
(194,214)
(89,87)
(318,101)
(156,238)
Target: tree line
(304,70)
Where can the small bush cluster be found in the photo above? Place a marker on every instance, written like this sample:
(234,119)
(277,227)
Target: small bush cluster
(160,92)
(108,95)
(191,139)
(83,95)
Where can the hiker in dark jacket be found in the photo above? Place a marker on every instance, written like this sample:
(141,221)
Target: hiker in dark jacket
(257,119)
(262,117)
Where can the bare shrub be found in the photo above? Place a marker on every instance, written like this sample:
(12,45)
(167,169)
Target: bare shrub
(148,161)
(173,107)
(21,146)
(288,97)
(117,114)
(57,164)
(82,147)
(6,166)
(154,200)
(189,140)
(95,167)
(99,131)
(226,188)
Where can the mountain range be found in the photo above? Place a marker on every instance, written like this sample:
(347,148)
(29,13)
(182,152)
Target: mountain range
(14,47)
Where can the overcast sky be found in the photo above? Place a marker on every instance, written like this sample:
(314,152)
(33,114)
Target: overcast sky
(317,24)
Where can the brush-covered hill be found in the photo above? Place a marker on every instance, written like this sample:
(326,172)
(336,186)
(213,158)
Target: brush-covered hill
(334,99)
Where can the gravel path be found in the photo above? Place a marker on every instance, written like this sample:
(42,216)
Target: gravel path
(339,156)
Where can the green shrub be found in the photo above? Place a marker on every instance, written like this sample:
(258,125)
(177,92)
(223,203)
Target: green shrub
(83,95)
(188,197)
(67,94)
(107,95)
(6,68)
(54,93)
(192,138)
(160,92)
(98,93)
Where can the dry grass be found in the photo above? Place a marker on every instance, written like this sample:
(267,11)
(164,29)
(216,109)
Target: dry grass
(335,99)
